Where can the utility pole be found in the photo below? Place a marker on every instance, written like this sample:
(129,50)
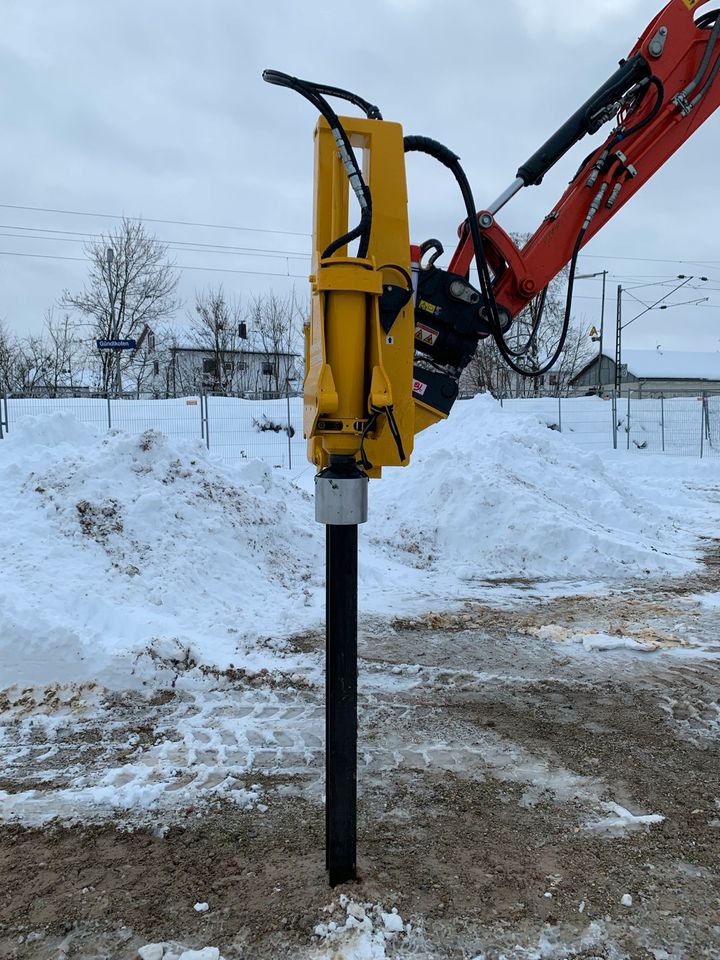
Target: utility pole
(602,331)
(618,344)
(653,306)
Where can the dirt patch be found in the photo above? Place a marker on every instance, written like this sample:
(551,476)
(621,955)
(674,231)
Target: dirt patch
(514,790)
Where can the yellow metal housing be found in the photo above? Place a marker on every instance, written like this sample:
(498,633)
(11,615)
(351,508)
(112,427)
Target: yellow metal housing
(354,366)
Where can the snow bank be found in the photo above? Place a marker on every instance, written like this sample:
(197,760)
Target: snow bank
(496,494)
(125,555)
(121,546)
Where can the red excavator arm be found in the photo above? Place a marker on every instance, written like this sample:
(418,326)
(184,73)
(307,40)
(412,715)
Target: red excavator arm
(661,94)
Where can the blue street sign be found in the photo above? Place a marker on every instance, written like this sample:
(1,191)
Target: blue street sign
(116,344)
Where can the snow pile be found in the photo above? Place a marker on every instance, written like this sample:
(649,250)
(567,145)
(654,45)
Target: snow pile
(358,931)
(121,545)
(126,555)
(495,494)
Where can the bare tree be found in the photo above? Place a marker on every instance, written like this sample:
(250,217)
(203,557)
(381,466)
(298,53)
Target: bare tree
(65,354)
(8,360)
(277,322)
(488,370)
(131,283)
(219,330)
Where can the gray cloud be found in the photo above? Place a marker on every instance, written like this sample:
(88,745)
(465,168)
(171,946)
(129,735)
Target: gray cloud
(158,109)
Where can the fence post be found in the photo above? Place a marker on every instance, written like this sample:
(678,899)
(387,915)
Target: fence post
(613,411)
(7,419)
(628,421)
(702,426)
(662,419)
(501,403)
(202,417)
(109,413)
(207,422)
(559,413)
(289,438)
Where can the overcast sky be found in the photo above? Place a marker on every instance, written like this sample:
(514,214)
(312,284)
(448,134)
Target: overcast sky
(157,109)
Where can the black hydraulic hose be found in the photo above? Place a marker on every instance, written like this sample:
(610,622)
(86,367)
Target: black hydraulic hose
(658,84)
(523,352)
(311,93)
(708,83)
(709,47)
(449,159)
(369,109)
(707,20)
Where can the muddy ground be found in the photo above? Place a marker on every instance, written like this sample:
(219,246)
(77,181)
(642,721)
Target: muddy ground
(504,791)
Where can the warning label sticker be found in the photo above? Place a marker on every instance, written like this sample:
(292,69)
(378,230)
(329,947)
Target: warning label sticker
(691,4)
(426,334)
(419,388)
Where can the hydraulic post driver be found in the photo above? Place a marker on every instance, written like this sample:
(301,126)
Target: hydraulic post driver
(390,335)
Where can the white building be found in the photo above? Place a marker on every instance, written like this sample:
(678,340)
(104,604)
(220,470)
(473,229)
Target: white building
(180,360)
(652,372)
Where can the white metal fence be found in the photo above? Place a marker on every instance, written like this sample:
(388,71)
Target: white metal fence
(271,430)
(681,425)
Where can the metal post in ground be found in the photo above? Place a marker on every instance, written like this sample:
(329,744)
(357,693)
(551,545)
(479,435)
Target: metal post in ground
(613,408)
(702,426)
(207,422)
(109,412)
(202,417)
(6,422)
(341,492)
(627,426)
(662,419)
(618,344)
(289,428)
(560,414)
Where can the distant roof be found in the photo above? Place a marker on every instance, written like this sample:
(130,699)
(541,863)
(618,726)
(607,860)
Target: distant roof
(672,364)
(183,336)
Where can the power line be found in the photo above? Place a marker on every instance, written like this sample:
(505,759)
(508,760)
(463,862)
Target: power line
(180,223)
(217,247)
(180,246)
(180,266)
(288,233)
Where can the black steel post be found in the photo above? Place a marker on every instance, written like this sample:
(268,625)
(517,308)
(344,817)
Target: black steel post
(618,344)
(341,703)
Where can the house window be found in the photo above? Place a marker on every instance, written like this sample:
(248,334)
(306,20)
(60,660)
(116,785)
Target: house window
(228,366)
(156,367)
(267,368)
(151,342)
(209,365)
(241,365)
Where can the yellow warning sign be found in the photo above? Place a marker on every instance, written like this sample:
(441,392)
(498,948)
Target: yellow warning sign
(691,4)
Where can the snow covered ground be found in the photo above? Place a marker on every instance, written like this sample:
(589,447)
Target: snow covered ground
(174,602)
(123,553)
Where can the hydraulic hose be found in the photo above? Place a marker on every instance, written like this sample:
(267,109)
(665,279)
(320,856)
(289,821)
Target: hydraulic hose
(450,160)
(313,92)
